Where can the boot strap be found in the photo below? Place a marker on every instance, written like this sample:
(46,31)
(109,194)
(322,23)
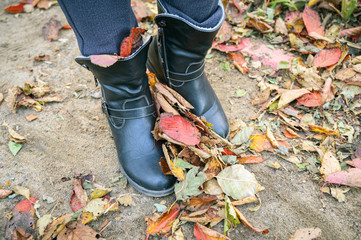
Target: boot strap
(188,76)
(128,113)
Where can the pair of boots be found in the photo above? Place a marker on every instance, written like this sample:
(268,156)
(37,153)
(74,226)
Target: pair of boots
(177,56)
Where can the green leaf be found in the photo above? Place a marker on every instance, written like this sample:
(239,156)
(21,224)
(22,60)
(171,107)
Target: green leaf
(229,159)
(14,147)
(180,163)
(237,182)
(242,136)
(347,8)
(241,92)
(189,187)
(160,207)
(225,66)
(283,65)
(231,215)
(273,106)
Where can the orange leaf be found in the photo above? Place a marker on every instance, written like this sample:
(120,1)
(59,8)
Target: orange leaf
(19,8)
(260,143)
(213,167)
(203,233)
(312,99)
(163,224)
(327,57)
(131,43)
(66,26)
(250,159)
(312,21)
(179,129)
(25,205)
(323,130)
(199,202)
(176,171)
(239,62)
(245,222)
(289,133)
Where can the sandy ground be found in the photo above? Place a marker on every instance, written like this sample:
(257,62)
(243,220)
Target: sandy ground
(73,137)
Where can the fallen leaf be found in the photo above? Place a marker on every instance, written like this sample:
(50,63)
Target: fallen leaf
(141,11)
(17,8)
(289,133)
(131,43)
(312,21)
(280,27)
(78,231)
(203,233)
(330,164)
(79,198)
(23,191)
(176,171)
(25,205)
(163,224)
(242,136)
(260,143)
(179,129)
(55,227)
(126,200)
(31,117)
(231,219)
(14,147)
(240,62)
(350,177)
(251,159)
(51,30)
(100,192)
(4,193)
(189,187)
(13,135)
(20,220)
(45,4)
(44,221)
(199,202)
(212,168)
(306,234)
(225,32)
(327,94)
(212,187)
(103,60)
(42,57)
(245,222)
(355,162)
(327,57)
(351,32)
(20,233)
(312,99)
(336,192)
(271,138)
(66,27)
(288,96)
(323,130)
(177,235)
(237,182)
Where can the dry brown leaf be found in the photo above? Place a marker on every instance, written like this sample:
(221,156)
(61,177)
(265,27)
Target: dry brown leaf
(280,26)
(288,96)
(78,231)
(31,117)
(225,32)
(327,94)
(56,226)
(13,135)
(271,138)
(179,97)
(330,164)
(126,200)
(51,30)
(306,234)
(165,105)
(4,193)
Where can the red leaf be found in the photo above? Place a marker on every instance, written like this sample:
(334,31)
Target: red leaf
(103,60)
(228,48)
(19,8)
(25,205)
(203,233)
(351,32)
(132,43)
(78,199)
(327,57)
(179,129)
(239,62)
(312,99)
(164,223)
(312,21)
(351,177)
(355,162)
(226,151)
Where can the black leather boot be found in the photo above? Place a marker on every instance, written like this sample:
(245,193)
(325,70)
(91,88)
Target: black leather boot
(129,108)
(177,57)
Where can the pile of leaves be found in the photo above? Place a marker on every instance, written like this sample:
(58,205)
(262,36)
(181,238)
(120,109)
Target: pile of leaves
(25,222)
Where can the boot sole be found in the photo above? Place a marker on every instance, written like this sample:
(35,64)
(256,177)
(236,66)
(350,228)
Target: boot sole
(145,191)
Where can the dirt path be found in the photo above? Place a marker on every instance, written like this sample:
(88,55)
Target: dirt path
(73,137)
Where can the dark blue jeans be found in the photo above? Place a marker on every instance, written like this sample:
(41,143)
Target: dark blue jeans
(101,25)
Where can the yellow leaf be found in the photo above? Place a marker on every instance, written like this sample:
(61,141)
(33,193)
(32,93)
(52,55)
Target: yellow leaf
(323,130)
(126,200)
(260,143)
(100,192)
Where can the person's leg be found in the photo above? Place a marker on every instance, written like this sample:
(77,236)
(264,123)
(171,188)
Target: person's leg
(177,55)
(100,26)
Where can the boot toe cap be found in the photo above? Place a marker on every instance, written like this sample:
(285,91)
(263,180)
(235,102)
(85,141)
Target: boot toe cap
(216,116)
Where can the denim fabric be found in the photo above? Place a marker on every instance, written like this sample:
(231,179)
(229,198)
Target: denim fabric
(100,26)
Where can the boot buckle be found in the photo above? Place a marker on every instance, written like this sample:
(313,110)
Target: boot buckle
(105,109)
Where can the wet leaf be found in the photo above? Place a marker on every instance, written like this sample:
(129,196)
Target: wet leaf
(132,43)
(163,224)
(288,96)
(51,30)
(237,182)
(260,143)
(189,187)
(79,197)
(327,57)
(306,234)
(17,8)
(312,21)
(312,99)
(78,231)
(350,177)
(203,233)
(14,147)
(126,200)
(103,60)
(179,129)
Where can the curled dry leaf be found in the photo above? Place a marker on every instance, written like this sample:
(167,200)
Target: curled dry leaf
(240,62)
(355,162)
(13,135)
(306,234)
(23,191)
(176,171)
(280,27)
(237,182)
(245,222)
(203,233)
(350,177)
(324,130)
(225,32)
(288,96)
(56,226)
(179,129)
(199,202)
(20,220)
(132,43)
(163,225)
